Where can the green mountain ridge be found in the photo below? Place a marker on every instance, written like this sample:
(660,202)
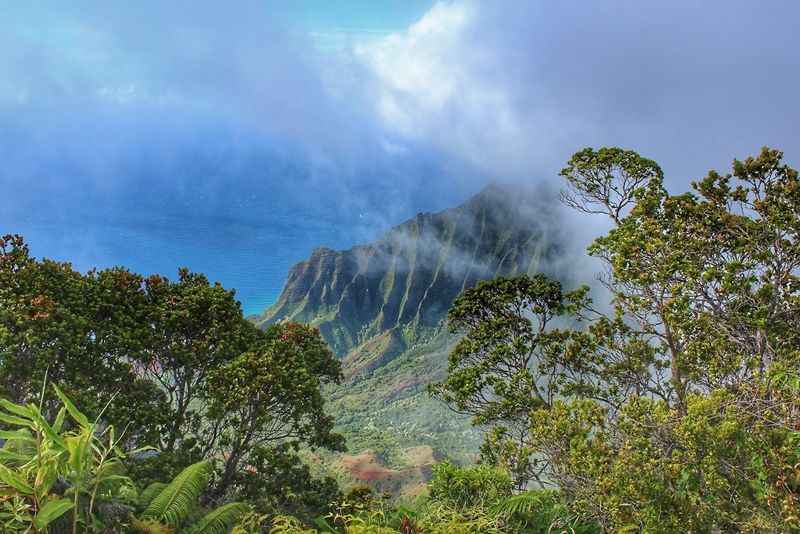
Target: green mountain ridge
(382,306)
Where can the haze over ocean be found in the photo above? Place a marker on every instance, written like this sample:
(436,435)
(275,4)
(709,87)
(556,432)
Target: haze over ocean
(233,139)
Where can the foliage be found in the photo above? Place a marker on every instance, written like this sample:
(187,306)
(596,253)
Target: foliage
(462,500)
(678,410)
(271,394)
(83,331)
(277,482)
(173,362)
(171,506)
(507,363)
(685,412)
(173,503)
(47,470)
(469,487)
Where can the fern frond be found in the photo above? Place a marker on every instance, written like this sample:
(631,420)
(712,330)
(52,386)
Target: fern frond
(174,503)
(219,521)
(524,503)
(149,493)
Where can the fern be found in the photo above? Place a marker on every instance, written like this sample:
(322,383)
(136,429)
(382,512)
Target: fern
(219,521)
(149,493)
(174,503)
(524,503)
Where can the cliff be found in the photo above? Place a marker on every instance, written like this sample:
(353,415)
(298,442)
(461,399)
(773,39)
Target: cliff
(401,286)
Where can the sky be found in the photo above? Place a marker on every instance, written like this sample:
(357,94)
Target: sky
(235,137)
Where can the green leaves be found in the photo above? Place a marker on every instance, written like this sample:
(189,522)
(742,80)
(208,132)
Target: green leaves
(149,493)
(76,414)
(272,393)
(174,503)
(678,411)
(511,359)
(609,180)
(171,504)
(15,480)
(35,456)
(165,359)
(687,377)
(51,511)
(220,520)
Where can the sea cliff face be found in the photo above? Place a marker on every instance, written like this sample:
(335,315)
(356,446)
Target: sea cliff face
(405,281)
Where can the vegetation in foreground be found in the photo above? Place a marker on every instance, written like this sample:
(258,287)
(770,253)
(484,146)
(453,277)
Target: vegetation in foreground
(676,411)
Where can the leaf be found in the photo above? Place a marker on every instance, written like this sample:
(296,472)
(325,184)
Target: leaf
(76,414)
(220,520)
(176,501)
(46,476)
(17,409)
(50,512)
(59,422)
(48,430)
(10,478)
(149,493)
(15,457)
(13,420)
(16,435)
(77,446)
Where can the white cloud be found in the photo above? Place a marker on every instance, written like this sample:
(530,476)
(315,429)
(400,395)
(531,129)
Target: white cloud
(515,87)
(434,82)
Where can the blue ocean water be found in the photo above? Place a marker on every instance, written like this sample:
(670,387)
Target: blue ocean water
(251,257)
(241,217)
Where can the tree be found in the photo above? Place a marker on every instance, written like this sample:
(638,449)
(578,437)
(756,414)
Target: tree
(507,363)
(175,363)
(269,395)
(707,280)
(680,409)
(278,481)
(689,423)
(194,328)
(82,331)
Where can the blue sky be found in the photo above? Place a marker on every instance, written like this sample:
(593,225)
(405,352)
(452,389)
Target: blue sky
(235,137)
(354,15)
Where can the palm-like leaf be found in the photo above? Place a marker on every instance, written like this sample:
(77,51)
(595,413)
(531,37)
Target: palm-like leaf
(149,493)
(220,520)
(174,503)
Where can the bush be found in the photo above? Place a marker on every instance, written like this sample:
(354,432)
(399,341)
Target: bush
(478,486)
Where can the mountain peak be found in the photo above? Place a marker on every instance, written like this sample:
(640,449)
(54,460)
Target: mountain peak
(406,281)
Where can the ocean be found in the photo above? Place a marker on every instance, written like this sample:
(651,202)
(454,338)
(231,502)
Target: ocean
(251,256)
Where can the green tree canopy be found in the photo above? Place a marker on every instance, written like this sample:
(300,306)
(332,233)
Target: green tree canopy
(175,361)
(680,409)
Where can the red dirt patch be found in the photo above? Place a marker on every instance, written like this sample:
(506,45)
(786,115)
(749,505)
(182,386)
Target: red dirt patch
(367,467)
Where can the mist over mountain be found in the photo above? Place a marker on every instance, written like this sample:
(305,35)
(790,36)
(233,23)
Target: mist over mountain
(381,307)
(405,281)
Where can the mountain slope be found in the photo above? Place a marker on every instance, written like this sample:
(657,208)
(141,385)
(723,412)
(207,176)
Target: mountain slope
(405,281)
(382,307)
